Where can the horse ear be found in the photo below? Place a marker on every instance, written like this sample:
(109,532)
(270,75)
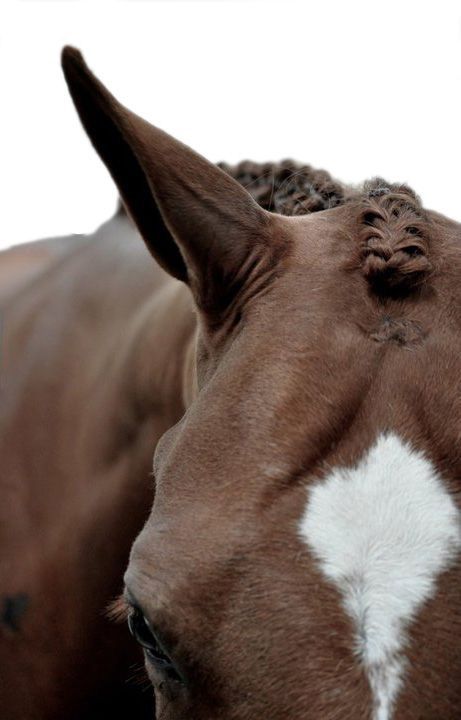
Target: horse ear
(199,223)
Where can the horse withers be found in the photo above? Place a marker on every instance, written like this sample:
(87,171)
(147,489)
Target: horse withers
(298,377)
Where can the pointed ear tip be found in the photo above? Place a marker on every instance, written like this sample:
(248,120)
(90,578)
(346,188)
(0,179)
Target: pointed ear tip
(71,58)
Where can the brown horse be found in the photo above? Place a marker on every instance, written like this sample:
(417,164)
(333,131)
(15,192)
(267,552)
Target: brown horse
(301,559)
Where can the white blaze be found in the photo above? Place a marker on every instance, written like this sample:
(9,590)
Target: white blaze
(383,531)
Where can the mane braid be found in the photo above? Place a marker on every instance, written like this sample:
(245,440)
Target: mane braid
(394,238)
(289,187)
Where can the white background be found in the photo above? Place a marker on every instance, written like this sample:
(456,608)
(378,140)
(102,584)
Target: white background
(359,88)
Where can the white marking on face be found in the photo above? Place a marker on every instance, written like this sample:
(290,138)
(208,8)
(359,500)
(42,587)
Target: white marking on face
(383,531)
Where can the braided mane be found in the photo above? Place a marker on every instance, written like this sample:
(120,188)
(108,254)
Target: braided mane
(289,187)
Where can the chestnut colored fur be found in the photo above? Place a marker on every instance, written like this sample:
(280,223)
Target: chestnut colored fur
(289,330)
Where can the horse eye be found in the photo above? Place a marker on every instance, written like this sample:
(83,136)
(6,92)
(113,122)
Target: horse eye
(144,635)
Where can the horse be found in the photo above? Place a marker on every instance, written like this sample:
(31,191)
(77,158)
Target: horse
(295,379)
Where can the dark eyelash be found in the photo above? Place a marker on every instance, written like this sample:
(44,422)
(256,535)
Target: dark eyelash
(118,610)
